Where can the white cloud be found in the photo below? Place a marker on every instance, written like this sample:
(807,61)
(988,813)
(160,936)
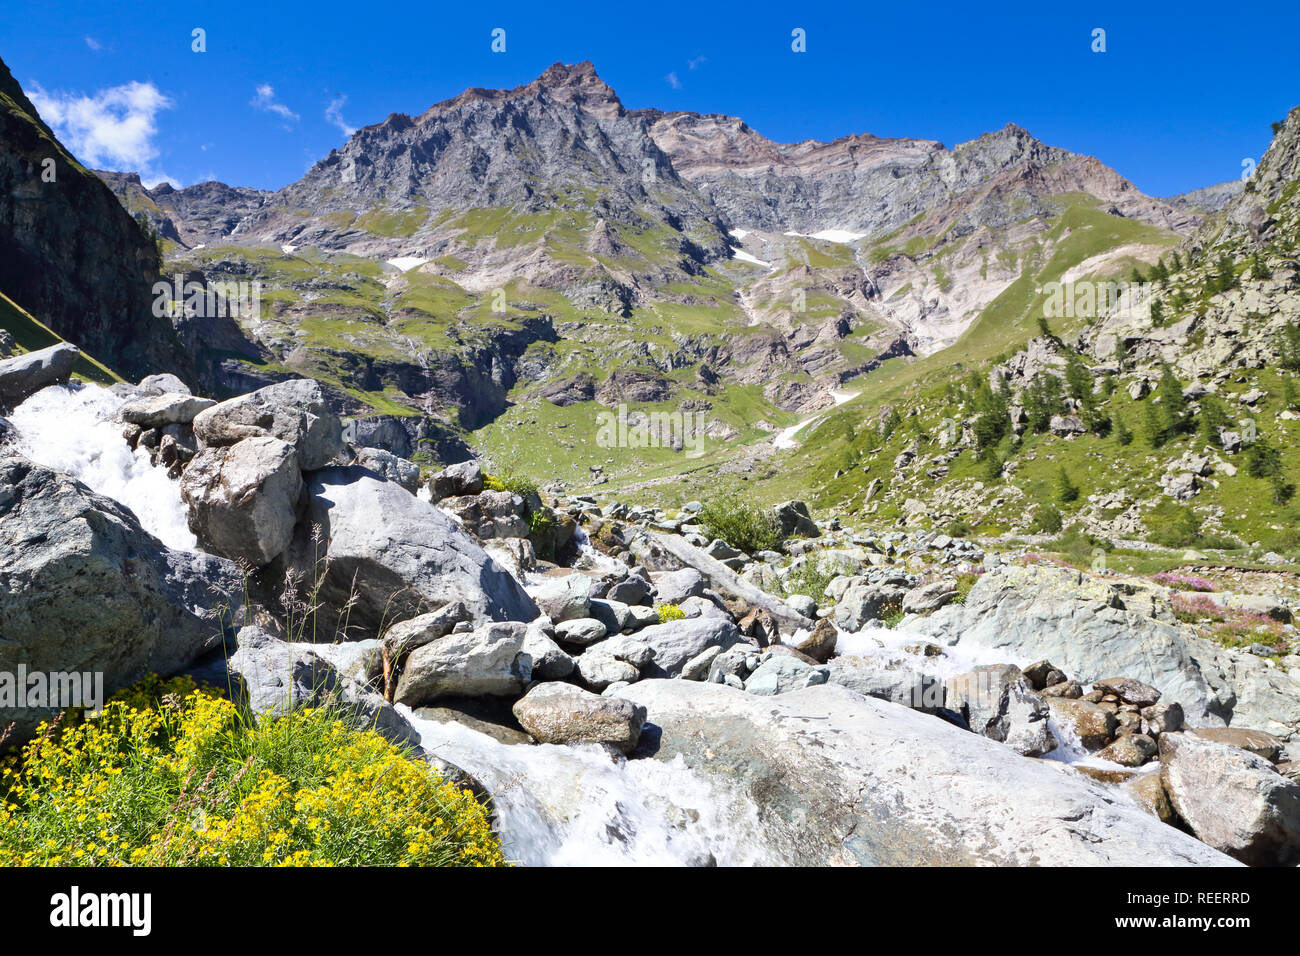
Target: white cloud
(113,128)
(673,81)
(156,179)
(265,100)
(334,113)
(698,62)
(94,44)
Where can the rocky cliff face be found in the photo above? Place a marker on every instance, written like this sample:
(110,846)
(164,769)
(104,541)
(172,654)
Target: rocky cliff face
(563,141)
(1265,212)
(70,253)
(867,185)
(1208,198)
(202,214)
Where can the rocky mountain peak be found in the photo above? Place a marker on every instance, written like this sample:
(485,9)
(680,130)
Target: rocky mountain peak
(579,85)
(575,85)
(562,140)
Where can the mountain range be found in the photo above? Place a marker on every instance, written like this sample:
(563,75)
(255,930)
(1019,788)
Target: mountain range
(492,274)
(542,219)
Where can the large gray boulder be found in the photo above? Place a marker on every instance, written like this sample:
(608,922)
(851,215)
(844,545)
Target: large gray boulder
(1090,630)
(243,499)
(566,598)
(676,642)
(168,408)
(454,481)
(898,685)
(674,587)
(161,383)
(633,590)
(1232,799)
(406,636)
(838,778)
(1260,696)
(1128,690)
(487,661)
(399,554)
(564,714)
(863,602)
(273,677)
(780,674)
(84,588)
(929,597)
(597,669)
(25,375)
(1256,741)
(387,465)
(615,615)
(998,701)
(794,519)
(294,411)
(581,631)
(550,661)
(625,647)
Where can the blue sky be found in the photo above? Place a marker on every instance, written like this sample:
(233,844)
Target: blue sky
(1177,100)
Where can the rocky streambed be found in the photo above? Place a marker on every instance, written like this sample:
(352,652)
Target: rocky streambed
(625,689)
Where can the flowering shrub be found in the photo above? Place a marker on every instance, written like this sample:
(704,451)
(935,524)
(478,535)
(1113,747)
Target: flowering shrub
(517,484)
(891,613)
(1243,628)
(669,612)
(1192,610)
(174,775)
(1182,582)
(1230,627)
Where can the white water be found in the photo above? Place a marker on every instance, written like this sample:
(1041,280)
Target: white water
(70,428)
(885,648)
(578,806)
(596,560)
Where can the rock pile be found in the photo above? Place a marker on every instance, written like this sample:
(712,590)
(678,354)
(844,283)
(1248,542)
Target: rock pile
(568,621)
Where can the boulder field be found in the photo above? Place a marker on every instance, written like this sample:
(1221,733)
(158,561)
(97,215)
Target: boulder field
(928,704)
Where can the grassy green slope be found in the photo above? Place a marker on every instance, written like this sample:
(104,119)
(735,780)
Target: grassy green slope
(31,335)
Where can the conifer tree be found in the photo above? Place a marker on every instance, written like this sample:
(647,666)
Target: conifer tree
(1213,418)
(1173,405)
(1066,490)
(1258,270)
(1122,434)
